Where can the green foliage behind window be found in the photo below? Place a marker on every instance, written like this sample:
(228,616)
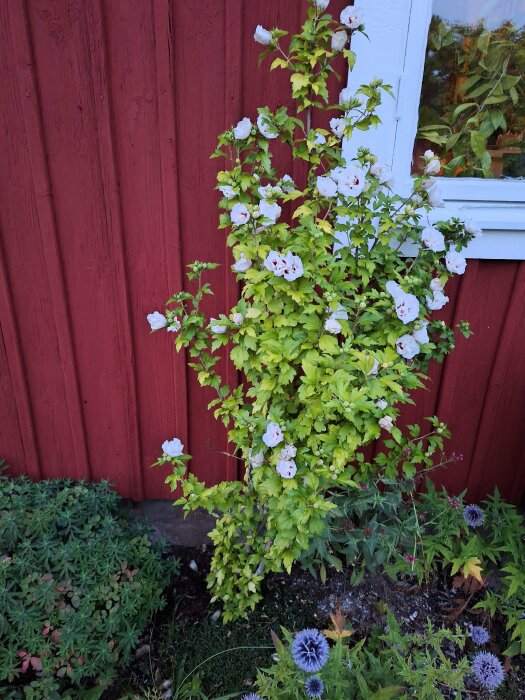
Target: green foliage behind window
(473,93)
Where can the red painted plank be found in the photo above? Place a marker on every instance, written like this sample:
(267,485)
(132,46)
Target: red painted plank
(141,84)
(199,61)
(485,292)
(500,445)
(171,231)
(92,290)
(426,398)
(233,29)
(34,264)
(112,209)
(17,429)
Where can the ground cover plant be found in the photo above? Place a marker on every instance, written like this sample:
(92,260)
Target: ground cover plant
(484,546)
(402,636)
(79,583)
(391,524)
(334,326)
(388,665)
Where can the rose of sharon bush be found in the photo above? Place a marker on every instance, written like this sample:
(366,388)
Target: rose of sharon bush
(328,340)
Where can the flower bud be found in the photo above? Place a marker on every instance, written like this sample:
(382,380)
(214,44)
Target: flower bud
(263,36)
(339,40)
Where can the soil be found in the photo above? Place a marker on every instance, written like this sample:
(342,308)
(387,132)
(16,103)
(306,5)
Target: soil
(187,632)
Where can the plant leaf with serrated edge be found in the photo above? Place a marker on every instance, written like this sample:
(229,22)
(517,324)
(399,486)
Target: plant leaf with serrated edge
(338,621)
(472,568)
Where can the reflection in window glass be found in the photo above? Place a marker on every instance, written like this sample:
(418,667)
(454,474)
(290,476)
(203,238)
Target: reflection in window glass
(472,109)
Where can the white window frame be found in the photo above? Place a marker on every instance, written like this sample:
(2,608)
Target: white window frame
(395,51)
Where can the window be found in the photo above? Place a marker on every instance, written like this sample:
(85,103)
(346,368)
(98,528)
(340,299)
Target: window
(472,105)
(398,33)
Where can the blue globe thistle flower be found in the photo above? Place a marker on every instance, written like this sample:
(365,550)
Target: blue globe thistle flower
(479,635)
(473,515)
(251,696)
(314,687)
(310,650)
(488,670)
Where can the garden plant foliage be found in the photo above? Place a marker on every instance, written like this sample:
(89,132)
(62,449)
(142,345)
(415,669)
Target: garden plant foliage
(388,525)
(334,326)
(387,665)
(78,586)
(382,525)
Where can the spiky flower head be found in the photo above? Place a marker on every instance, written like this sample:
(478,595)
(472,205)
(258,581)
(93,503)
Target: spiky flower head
(473,515)
(479,635)
(314,687)
(251,696)
(488,670)
(310,650)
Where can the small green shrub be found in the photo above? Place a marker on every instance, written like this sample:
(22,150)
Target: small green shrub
(78,585)
(386,523)
(333,328)
(377,523)
(496,546)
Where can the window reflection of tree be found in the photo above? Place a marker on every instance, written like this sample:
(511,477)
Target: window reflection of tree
(444,74)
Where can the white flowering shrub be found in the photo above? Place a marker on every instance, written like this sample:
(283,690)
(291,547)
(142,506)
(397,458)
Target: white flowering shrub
(334,326)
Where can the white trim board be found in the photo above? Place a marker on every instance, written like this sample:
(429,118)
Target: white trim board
(395,51)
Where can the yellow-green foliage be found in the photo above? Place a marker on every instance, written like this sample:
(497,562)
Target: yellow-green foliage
(319,386)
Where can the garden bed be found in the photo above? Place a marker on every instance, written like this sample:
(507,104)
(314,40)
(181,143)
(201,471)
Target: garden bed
(188,632)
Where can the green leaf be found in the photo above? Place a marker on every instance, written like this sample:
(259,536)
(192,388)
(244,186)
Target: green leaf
(480,90)
(495,99)
(329,344)
(461,108)
(483,42)
(299,81)
(278,63)
(468,83)
(478,143)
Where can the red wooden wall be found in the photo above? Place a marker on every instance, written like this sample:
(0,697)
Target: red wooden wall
(109,111)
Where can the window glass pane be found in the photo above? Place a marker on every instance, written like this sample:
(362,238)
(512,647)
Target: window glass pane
(472,109)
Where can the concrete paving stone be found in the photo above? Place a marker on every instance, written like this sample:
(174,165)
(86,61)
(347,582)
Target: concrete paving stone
(169,524)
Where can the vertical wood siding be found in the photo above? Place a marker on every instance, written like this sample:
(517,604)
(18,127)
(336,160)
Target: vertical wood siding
(109,110)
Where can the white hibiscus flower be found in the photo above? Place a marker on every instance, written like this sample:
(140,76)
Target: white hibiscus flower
(286,468)
(332,325)
(407,346)
(420,335)
(270,211)
(407,307)
(433,239)
(266,127)
(242,264)
(455,262)
(173,448)
(437,301)
(275,262)
(242,129)
(293,268)
(273,435)
(239,215)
